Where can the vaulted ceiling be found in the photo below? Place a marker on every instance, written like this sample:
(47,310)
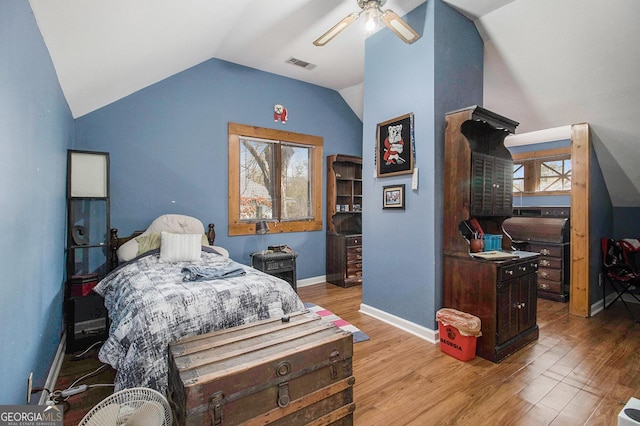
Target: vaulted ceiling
(548,63)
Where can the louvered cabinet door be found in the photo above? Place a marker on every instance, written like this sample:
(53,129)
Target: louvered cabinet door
(491,186)
(481,185)
(502,186)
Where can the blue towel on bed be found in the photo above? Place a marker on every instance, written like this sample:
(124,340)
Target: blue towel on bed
(198,273)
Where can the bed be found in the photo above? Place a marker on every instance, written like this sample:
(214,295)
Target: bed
(172,282)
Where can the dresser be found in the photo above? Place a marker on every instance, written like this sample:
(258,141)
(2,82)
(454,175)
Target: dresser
(344,259)
(548,236)
(344,220)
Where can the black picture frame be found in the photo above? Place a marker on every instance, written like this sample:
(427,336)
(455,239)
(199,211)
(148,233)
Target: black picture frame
(393,197)
(394,151)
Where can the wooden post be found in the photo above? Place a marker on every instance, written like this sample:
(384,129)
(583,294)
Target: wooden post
(580,251)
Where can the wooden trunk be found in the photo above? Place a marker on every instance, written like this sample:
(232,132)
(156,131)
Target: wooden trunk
(291,371)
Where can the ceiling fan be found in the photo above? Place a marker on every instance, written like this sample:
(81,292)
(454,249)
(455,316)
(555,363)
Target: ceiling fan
(373,14)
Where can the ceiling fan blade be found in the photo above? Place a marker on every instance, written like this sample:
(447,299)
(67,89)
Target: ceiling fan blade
(336,29)
(400,27)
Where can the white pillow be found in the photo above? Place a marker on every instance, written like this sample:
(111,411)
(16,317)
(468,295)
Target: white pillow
(180,247)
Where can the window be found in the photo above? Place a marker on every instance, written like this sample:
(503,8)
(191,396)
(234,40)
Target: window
(542,172)
(274,176)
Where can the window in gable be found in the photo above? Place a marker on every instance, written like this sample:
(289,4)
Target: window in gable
(542,172)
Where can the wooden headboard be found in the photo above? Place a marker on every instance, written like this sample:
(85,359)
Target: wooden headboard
(115,242)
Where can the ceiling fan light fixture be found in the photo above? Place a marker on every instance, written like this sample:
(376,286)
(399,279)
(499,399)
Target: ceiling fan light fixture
(373,13)
(372,17)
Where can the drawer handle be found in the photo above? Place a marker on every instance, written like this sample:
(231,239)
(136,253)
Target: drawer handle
(544,274)
(508,272)
(544,286)
(545,262)
(545,252)
(523,268)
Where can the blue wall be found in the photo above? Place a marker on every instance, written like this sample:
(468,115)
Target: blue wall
(441,72)
(600,223)
(626,223)
(168,147)
(36,128)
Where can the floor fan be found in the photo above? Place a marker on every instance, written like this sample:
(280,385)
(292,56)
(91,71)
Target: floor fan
(131,407)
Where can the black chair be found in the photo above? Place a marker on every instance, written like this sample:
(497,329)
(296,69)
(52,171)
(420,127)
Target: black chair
(620,268)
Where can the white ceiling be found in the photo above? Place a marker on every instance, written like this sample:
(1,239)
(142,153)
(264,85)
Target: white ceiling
(548,63)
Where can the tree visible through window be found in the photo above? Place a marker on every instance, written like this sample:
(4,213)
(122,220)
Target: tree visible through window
(274,176)
(275,180)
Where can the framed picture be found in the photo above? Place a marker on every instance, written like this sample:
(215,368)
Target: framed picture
(393,197)
(394,151)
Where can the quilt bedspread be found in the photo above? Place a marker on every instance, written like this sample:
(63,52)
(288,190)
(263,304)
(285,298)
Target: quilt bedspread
(151,306)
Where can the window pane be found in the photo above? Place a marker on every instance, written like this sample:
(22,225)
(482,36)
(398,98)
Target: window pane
(257,161)
(518,177)
(518,185)
(296,182)
(555,175)
(518,171)
(551,168)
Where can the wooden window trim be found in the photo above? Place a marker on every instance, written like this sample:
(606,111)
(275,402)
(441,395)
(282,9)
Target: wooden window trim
(238,227)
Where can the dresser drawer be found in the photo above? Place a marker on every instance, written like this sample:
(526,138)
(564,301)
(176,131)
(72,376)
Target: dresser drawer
(354,241)
(550,274)
(354,270)
(550,262)
(550,286)
(548,250)
(354,254)
(516,270)
(278,265)
(350,281)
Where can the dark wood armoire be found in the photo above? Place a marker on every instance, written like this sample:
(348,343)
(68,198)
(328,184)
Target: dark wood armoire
(478,180)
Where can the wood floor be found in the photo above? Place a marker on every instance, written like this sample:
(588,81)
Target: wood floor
(580,372)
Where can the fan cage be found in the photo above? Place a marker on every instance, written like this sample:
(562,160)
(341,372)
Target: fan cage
(119,407)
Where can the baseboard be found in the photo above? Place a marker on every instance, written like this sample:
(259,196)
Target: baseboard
(311,281)
(54,371)
(424,333)
(598,307)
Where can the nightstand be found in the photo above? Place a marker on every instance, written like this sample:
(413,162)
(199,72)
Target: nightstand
(279,264)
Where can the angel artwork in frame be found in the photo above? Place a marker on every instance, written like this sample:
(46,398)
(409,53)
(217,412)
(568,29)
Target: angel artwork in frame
(394,152)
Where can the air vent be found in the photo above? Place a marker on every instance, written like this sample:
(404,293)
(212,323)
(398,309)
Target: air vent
(300,63)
